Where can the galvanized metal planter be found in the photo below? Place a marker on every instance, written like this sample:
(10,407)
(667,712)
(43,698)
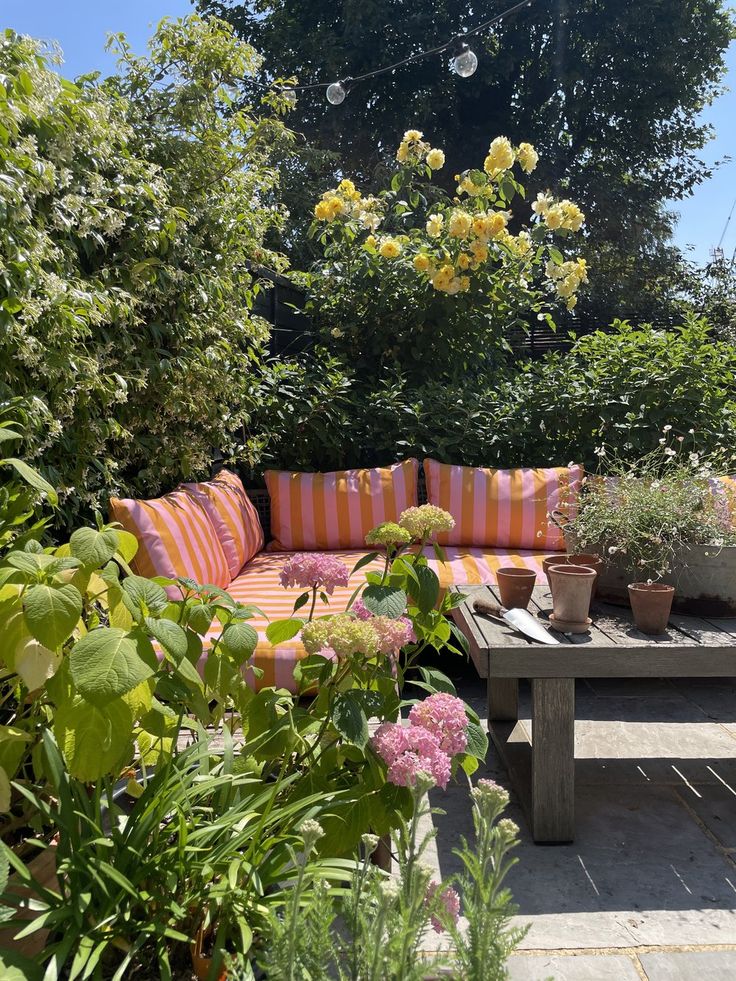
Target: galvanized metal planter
(704,577)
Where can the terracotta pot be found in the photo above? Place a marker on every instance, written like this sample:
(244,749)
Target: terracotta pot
(201,962)
(572,586)
(559,559)
(516,587)
(651,603)
(590,560)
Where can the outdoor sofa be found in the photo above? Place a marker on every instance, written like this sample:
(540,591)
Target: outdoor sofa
(213,532)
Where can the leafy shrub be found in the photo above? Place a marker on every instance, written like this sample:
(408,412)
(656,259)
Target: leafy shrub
(415,280)
(132,214)
(620,387)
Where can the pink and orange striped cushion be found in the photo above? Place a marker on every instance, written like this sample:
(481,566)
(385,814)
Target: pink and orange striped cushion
(337,510)
(503,508)
(175,538)
(233,517)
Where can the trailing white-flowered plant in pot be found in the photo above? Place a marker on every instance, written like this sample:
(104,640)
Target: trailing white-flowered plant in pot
(670,517)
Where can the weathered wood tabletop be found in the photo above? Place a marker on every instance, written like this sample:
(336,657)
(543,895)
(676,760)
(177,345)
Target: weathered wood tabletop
(544,775)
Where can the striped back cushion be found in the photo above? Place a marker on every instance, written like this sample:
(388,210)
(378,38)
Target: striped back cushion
(233,517)
(175,538)
(337,510)
(503,508)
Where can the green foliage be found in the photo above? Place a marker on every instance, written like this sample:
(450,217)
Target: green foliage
(132,223)
(139,876)
(644,515)
(412,271)
(610,94)
(620,387)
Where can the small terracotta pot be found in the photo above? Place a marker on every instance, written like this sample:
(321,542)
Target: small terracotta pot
(651,603)
(201,962)
(590,560)
(516,587)
(572,586)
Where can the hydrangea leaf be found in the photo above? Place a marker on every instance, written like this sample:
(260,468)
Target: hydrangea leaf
(94,740)
(105,664)
(385,601)
(93,548)
(52,612)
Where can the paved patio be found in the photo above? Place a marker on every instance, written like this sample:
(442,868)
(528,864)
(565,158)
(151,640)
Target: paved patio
(648,889)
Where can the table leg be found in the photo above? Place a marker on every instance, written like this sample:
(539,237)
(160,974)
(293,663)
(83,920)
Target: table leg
(503,700)
(553,759)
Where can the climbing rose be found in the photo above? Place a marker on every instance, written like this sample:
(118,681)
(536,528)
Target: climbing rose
(426,520)
(444,716)
(408,751)
(449,899)
(342,634)
(313,569)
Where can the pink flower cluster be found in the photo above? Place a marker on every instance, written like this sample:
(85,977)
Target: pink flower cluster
(408,751)
(313,569)
(437,732)
(449,899)
(393,634)
(444,716)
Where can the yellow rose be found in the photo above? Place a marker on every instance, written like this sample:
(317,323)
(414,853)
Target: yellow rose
(422,262)
(463,261)
(460,224)
(370,242)
(500,156)
(522,243)
(464,284)
(479,250)
(413,136)
(496,223)
(567,286)
(347,188)
(572,216)
(434,225)
(322,211)
(402,154)
(390,248)
(542,205)
(443,277)
(336,206)
(527,157)
(435,159)
(554,217)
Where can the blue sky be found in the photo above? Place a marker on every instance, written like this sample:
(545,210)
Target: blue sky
(80,26)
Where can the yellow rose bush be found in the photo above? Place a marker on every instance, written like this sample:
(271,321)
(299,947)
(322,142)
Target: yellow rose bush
(416,279)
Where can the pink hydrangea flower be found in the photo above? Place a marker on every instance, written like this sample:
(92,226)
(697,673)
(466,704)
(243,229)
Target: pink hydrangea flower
(408,751)
(313,569)
(394,634)
(444,717)
(449,899)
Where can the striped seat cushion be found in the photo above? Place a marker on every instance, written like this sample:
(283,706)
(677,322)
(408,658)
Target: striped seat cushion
(503,508)
(233,517)
(259,583)
(175,538)
(336,510)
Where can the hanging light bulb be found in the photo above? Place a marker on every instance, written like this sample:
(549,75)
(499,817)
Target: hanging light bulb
(465,61)
(289,96)
(336,93)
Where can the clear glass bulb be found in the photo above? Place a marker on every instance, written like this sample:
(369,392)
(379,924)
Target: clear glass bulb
(336,93)
(465,63)
(289,97)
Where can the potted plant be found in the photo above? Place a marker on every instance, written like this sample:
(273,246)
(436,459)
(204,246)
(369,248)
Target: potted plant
(670,517)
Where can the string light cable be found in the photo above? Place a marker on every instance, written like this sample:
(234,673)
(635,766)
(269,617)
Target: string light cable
(464,62)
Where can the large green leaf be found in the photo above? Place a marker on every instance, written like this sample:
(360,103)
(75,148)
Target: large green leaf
(282,630)
(349,718)
(94,548)
(427,593)
(385,601)
(105,664)
(477,741)
(93,739)
(52,612)
(170,635)
(142,596)
(239,641)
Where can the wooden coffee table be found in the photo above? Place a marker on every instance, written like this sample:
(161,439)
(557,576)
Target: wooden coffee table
(543,775)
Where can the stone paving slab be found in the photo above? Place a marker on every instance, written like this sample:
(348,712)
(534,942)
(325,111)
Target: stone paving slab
(710,965)
(583,967)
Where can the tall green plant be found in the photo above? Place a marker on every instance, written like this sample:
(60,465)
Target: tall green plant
(132,226)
